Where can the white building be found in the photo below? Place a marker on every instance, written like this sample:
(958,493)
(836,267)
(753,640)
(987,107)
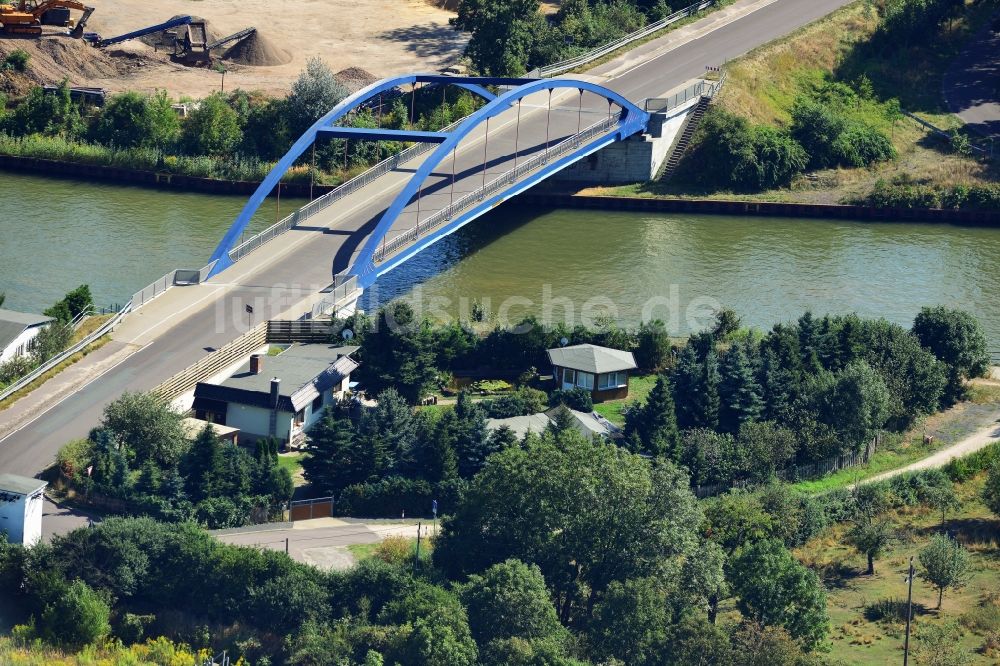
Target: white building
(278,396)
(17,330)
(21,503)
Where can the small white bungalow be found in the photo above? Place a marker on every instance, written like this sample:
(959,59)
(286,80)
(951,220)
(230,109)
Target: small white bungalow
(21,504)
(17,330)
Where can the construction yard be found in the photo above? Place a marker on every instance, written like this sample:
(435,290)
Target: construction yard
(376,37)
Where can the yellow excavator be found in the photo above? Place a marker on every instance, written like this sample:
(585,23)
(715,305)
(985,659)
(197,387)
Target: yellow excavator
(26,17)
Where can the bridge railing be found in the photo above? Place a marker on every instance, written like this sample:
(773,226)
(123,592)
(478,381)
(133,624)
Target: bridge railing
(344,189)
(601,51)
(694,91)
(344,285)
(502,182)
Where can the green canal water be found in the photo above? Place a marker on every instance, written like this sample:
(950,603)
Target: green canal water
(562,265)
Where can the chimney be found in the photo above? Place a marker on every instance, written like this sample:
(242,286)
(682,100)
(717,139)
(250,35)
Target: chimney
(256,364)
(275,392)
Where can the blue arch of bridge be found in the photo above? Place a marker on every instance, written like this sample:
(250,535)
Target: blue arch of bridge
(220,257)
(631,120)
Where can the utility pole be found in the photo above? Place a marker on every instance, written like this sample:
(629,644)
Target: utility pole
(909,613)
(416,559)
(286,545)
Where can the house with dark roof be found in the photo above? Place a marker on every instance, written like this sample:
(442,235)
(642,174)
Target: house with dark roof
(601,370)
(278,396)
(17,330)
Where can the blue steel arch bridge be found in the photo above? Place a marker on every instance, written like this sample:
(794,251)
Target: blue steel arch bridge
(525,131)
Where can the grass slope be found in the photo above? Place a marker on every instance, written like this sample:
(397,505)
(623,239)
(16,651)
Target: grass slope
(762,86)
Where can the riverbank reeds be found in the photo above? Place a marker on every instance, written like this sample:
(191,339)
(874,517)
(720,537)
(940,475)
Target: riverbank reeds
(236,168)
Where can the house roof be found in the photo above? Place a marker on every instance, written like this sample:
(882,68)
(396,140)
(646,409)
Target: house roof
(194,427)
(21,485)
(587,424)
(591,358)
(304,370)
(521,425)
(13,324)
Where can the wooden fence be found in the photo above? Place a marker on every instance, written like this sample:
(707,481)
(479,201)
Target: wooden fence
(300,330)
(210,365)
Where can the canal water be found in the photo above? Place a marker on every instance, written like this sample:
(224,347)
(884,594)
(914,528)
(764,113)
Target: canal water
(561,266)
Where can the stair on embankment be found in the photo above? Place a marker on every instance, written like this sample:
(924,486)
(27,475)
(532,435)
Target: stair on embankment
(682,141)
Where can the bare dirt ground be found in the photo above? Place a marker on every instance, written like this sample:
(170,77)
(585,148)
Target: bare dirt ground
(383,37)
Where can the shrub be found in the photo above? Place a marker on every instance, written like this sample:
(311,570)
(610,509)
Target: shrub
(395,550)
(79,616)
(388,498)
(890,609)
(862,145)
(577,398)
(17,60)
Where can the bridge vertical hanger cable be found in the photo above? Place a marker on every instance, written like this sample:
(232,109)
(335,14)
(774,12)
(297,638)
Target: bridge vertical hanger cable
(548,114)
(378,144)
(413,99)
(312,171)
(517,132)
(452,202)
(486,145)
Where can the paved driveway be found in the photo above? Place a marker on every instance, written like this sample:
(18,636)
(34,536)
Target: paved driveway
(972,84)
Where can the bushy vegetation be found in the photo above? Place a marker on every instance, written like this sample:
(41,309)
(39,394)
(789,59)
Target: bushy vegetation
(904,192)
(515,578)
(511,37)
(141,461)
(731,408)
(235,136)
(829,128)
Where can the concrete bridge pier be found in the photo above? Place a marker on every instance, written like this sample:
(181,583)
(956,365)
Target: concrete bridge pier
(637,159)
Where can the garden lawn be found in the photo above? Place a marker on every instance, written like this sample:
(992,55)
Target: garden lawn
(639,388)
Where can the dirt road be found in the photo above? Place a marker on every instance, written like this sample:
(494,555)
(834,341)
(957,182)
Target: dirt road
(977,440)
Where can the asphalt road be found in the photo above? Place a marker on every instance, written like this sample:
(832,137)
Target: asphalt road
(972,84)
(305,267)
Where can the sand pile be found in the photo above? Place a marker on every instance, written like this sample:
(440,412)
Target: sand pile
(355,78)
(54,58)
(257,50)
(163,38)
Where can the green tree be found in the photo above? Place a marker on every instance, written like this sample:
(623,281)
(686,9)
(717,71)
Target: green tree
(854,403)
(631,623)
(146,427)
(213,128)
(652,351)
(133,120)
(740,398)
(502,34)
(957,339)
(332,462)
(583,512)
(440,634)
(313,94)
(78,616)
(775,590)
(872,538)
(509,600)
(940,645)
(472,442)
(652,426)
(945,564)
(695,385)
(51,114)
(398,353)
(51,341)
(202,465)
